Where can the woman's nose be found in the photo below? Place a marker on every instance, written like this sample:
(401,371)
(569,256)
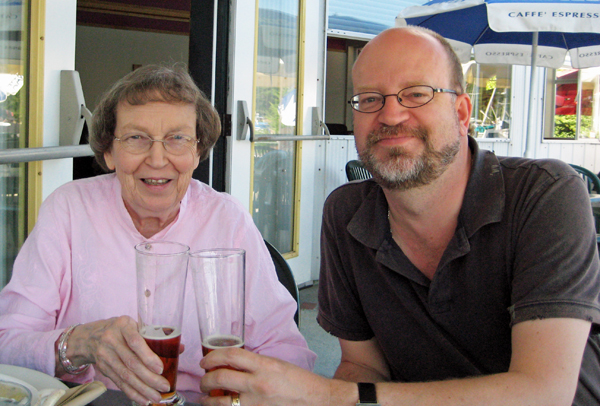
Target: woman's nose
(157,156)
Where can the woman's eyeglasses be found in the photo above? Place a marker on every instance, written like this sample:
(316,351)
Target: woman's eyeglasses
(173,144)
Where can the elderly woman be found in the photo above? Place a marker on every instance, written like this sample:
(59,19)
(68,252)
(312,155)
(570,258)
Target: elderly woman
(74,278)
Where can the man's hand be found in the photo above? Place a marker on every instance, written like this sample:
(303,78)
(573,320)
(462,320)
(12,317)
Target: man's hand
(267,381)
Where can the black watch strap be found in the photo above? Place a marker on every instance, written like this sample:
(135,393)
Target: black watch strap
(367,396)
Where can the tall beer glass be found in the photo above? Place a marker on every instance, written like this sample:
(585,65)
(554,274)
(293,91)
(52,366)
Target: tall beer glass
(219,283)
(161,274)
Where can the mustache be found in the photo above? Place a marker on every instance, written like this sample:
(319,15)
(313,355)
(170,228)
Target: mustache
(387,131)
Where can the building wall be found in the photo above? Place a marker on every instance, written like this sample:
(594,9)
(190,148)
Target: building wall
(104,55)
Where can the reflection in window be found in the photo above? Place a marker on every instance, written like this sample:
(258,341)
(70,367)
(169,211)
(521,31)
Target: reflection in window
(489,89)
(573,103)
(13,102)
(364,16)
(276,83)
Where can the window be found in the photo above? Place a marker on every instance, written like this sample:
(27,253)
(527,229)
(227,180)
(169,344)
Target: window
(13,111)
(368,17)
(489,87)
(276,84)
(572,104)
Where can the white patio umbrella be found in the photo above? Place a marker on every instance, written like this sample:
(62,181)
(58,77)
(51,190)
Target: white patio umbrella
(517,32)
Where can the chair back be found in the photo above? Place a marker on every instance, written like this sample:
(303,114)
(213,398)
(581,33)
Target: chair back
(591,179)
(593,185)
(286,277)
(356,171)
(337,129)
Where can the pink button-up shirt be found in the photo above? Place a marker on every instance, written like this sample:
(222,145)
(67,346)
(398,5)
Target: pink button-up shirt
(78,266)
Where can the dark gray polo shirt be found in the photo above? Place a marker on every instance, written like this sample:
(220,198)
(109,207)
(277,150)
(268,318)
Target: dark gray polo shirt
(524,248)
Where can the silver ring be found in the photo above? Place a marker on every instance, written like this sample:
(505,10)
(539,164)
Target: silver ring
(235,400)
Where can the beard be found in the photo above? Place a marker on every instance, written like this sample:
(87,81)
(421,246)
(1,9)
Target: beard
(402,170)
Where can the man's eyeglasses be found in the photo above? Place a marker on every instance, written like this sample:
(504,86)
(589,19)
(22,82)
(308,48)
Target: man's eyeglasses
(174,144)
(410,97)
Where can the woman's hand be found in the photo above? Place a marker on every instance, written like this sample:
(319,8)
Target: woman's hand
(265,381)
(120,353)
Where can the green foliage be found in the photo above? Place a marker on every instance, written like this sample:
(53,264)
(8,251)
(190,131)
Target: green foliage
(586,127)
(565,126)
(13,104)
(267,102)
(491,83)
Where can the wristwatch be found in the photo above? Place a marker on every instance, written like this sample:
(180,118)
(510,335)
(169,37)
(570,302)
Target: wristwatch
(367,396)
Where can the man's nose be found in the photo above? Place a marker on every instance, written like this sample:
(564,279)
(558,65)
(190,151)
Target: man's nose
(393,112)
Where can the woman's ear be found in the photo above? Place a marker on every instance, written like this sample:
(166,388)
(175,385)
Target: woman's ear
(108,158)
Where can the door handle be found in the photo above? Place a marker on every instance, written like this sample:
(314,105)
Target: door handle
(245,128)
(244,123)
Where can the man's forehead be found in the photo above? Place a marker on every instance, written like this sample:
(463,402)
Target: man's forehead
(400,43)
(401,59)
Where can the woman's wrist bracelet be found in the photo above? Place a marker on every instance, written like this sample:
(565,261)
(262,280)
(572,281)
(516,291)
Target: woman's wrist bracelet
(62,353)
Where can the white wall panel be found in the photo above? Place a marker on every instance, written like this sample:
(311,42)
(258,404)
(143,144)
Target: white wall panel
(499,148)
(59,54)
(339,151)
(319,199)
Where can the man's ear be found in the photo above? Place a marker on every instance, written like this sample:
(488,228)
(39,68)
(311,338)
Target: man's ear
(463,111)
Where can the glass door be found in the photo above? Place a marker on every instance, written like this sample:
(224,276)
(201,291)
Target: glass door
(276,85)
(13,131)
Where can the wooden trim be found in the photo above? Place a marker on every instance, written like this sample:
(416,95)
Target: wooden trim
(299,128)
(133,10)
(143,28)
(253,101)
(35,120)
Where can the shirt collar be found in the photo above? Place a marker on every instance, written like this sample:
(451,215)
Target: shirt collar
(483,202)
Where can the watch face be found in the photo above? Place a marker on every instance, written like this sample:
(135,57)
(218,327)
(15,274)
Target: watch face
(367,394)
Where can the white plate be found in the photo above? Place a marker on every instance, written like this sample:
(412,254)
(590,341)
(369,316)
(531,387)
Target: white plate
(35,397)
(34,378)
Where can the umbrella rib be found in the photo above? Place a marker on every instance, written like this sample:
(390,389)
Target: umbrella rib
(481,35)
(562,35)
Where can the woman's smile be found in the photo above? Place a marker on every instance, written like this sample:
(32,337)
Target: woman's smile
(153,182)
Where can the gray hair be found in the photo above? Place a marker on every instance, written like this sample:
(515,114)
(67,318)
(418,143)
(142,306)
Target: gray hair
(153,83)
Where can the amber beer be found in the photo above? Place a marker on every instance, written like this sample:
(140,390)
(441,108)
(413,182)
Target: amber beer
(214,343)
(164,341)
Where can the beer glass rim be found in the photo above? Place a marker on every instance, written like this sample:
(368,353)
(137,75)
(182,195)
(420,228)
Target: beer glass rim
(179,249)
(217,252)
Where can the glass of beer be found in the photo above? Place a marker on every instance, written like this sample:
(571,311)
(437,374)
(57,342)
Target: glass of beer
(219,284)
(161,274)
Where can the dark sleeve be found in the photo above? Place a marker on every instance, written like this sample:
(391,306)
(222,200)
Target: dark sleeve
(340,311)
(556,267)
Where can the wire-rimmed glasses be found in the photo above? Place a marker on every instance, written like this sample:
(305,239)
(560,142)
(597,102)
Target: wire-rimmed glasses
(410,97)
(175,144)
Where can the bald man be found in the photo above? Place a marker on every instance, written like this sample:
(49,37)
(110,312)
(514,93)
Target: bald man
(453,277)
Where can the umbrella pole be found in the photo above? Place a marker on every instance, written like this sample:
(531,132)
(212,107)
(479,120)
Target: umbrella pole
(529,145)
